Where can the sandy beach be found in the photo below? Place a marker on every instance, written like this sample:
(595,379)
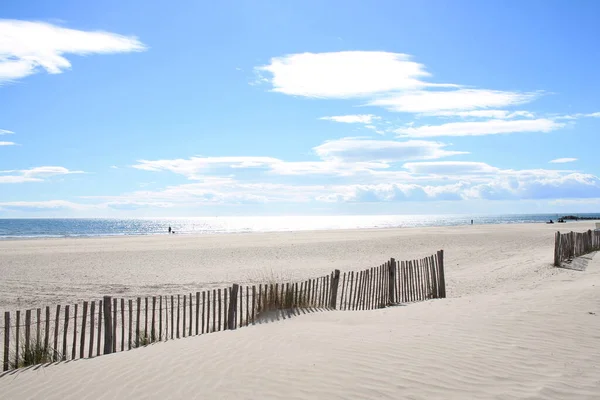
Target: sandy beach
(512,326)
(479,259)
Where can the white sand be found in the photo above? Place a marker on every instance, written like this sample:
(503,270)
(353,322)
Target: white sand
(514,327)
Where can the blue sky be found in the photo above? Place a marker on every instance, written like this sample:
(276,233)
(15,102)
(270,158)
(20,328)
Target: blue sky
(283,107)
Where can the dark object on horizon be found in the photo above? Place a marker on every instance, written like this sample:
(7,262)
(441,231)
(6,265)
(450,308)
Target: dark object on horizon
(576,218)
(170,229)
(561,221)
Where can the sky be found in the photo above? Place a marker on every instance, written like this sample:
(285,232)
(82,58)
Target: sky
(188,108)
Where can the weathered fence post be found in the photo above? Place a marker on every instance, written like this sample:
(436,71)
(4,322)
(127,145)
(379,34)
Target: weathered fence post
(108,330)
(392,281)
(440,255)
(335,281)
(231,313)
(6,340)
(557,249)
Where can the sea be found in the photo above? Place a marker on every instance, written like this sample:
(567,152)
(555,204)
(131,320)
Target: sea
(94,227)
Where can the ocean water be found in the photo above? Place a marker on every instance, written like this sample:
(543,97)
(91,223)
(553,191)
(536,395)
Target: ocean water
(76,227)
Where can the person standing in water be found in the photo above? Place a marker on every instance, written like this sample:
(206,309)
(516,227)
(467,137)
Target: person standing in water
(169,229)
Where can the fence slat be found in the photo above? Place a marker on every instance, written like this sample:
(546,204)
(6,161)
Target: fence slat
(225,307)
(153,329)
(17,336)
(137,320)
(108,331)
(100,310)
(27,349)
(220,311)
(208,312)
(160,318)
(191,317)
(253,304)
(419,280)
(197,312)
(241,306)
(232,306)
(47,330)
(114,326)
(92,318)
(172,317)
(146,318)
(357,291)
(214,325)
(130,333)
(83,323)
(65,330)
(440,255)
(184,314)
(178,315)
(203,309)
(38,339)
(6,340)
(122,324)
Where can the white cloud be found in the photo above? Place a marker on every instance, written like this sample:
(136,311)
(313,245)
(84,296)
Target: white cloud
(36,174)
(26,47)
(450,168)
(7,143)
(563,160)
(48,204)
(195,167)
(361,150)
(343,74)
(451,100)
(495,114)
(342,157)
(352,119)
(5,132)
(561,186)
(577,116)
(479,128)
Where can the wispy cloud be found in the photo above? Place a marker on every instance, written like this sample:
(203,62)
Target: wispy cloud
(5,132)
(342,157)
(480,128)
(353,119)
(425,101)
(361,150)
(195,167)
(578,115)
(26,47)
(37,174)
(493,114)
(563,160)
(7,143)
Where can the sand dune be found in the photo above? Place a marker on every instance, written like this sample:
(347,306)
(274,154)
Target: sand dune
(515,328)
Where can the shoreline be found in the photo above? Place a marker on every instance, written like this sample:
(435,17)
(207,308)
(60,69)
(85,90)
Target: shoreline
(229,233)
(39,272)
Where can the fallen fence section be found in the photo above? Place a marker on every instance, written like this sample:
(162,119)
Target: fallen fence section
(568,246)
(110,325)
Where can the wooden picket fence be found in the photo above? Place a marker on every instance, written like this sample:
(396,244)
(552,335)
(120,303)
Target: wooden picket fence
(568,246)
(110,325)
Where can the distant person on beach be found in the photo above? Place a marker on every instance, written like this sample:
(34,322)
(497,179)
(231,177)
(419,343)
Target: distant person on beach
(170,229)
(471,222)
